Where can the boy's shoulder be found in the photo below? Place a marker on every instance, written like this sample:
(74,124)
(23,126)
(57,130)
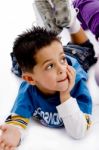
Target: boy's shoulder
(26,87)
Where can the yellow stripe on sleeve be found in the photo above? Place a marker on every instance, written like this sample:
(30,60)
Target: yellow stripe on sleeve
(89,122)
(17,120)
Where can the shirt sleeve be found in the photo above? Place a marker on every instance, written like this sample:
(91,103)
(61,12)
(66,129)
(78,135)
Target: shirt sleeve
(23,105)
(17,120)
(73,118)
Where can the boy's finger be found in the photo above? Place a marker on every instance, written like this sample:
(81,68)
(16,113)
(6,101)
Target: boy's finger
(13,148)
(0,132)
(0,141)
(7,148)
(3,127)
(2,144)
(71,70)
(69,75)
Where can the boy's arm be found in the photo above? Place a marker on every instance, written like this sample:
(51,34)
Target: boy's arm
(77,34)
(79,37)
(75,112)
(75,121)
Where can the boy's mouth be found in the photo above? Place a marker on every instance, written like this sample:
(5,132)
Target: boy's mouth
(63,79)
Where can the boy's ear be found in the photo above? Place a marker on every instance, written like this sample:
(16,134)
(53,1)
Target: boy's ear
(29,78)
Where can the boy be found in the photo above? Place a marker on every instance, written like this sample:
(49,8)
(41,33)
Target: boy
(54,90)
(53,87)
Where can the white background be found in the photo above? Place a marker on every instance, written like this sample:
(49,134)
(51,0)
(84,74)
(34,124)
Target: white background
(15,17)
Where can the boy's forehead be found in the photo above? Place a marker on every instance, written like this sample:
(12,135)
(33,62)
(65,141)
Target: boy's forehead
(50,51)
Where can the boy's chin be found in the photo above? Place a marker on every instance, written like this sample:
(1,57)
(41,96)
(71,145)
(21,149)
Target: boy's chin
(63,89)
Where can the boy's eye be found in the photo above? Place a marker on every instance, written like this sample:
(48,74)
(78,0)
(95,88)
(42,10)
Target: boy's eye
(49,66)
(63,60)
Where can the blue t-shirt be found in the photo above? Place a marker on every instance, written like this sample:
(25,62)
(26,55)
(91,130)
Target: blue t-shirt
(31,101)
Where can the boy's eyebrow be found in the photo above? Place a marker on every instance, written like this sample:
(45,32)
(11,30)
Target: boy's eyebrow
(48,60)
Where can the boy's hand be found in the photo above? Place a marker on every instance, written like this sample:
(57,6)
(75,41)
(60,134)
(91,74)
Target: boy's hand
(71,74)
(10,137)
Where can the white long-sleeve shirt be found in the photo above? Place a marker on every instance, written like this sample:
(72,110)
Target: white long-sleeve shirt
(74,119)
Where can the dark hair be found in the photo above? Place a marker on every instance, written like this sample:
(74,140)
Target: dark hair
(29,43)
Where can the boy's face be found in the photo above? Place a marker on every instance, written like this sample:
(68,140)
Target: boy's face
(49,75)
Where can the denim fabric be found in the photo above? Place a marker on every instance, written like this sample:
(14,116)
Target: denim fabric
(84,54)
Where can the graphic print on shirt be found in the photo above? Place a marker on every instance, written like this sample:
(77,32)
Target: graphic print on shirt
(48,118)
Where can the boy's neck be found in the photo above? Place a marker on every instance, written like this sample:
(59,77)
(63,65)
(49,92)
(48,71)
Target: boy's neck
(45,91)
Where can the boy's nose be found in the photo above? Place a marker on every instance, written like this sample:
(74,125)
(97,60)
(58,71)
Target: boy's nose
(60,72)
(61,69)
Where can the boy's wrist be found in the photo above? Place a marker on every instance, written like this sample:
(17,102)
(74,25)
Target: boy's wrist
(21,130)
(68,108)
(64,98)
